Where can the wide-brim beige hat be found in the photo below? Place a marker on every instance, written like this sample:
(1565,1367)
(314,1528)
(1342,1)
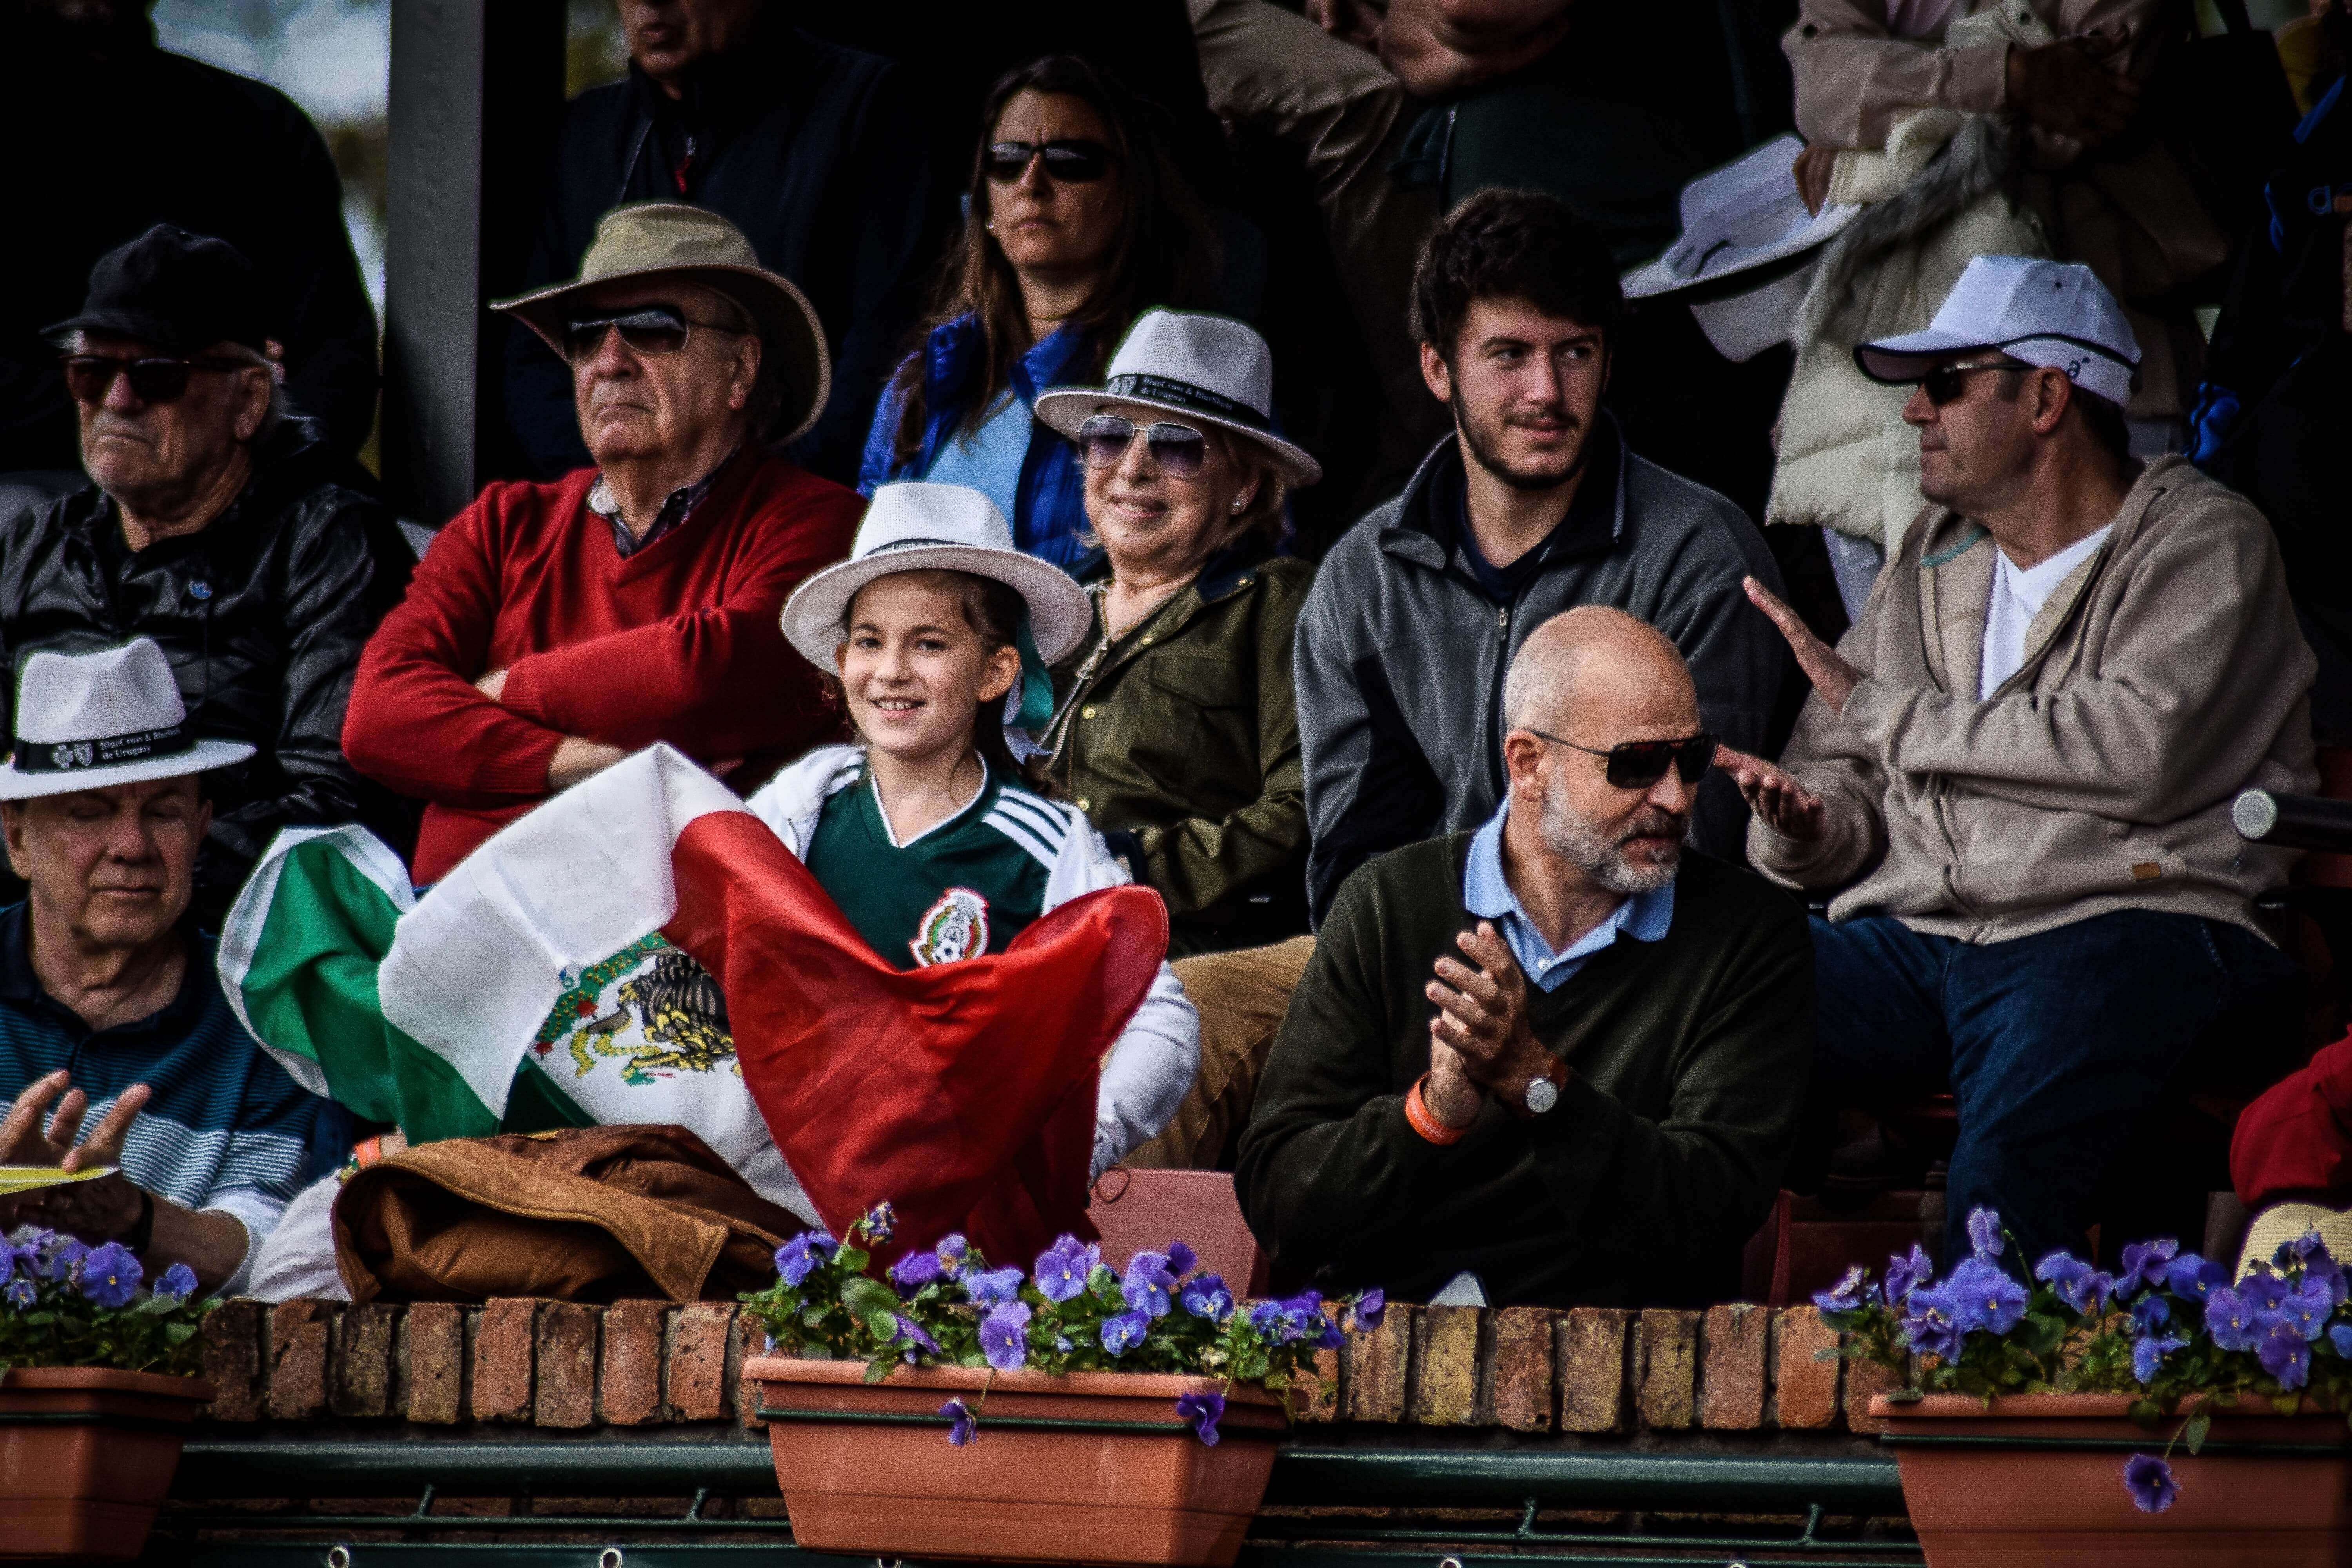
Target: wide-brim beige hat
(696,244)
(2282,1223)
(1211,369)
(917,527)
(91,721)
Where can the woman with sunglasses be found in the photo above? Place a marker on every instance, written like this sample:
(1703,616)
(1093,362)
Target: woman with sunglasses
(1075,220)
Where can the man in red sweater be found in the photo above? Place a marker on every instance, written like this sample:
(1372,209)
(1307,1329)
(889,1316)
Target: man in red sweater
(552,629)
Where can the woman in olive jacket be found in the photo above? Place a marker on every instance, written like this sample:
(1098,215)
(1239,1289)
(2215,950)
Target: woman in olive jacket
(1176,731)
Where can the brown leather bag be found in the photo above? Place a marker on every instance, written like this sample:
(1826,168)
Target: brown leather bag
(588,1214)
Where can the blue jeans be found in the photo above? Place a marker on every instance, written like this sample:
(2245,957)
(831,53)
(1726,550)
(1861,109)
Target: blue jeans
(2054,1046)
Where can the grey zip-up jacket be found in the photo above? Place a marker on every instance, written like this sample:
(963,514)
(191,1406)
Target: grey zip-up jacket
(2163,676)
(1401,655)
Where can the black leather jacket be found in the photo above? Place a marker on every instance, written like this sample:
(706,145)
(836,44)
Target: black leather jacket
(262,614)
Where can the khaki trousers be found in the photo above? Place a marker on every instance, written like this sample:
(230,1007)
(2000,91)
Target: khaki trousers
(1240,997)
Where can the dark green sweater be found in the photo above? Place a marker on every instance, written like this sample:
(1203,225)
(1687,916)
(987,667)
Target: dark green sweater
(1689,1057)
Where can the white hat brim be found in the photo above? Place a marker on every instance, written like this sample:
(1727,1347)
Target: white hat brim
(1065,409)
(1059,610)
(1654,281)
(206,756)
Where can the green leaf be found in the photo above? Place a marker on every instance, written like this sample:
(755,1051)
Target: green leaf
(878,1368)
(1905,1396)
(2192,1434)
(2286,1404)
(868,1298)
(852,1260)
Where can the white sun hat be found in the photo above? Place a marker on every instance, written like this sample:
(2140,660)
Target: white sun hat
(2055,314)
(1747,251)
(1204,367)
(916,527)
(86,720)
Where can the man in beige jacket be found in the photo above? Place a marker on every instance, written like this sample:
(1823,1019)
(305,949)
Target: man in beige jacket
(2013,778)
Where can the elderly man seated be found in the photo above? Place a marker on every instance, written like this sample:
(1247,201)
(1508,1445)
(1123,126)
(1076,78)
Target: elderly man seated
(2013,777)
(214,526)
(117,1046)
(1561,1052)
(554,628)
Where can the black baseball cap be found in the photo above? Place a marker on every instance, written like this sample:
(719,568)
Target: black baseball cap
(179,291)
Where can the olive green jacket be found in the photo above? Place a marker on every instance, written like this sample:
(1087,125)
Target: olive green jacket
(1179,742)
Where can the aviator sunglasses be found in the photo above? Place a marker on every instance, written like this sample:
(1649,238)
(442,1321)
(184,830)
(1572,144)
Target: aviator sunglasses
(157,379)
(1638,765)
(1069,161)
(1178,449)
(647,329)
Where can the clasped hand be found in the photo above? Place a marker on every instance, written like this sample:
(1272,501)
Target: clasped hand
(1480,1042)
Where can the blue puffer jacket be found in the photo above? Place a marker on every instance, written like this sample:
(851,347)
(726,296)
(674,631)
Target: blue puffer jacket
(1050,514)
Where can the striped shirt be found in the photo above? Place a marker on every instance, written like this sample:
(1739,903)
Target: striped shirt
(225,1129)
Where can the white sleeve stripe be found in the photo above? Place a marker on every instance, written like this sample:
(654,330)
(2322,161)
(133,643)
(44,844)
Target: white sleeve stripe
(1020,834)
(1040,817)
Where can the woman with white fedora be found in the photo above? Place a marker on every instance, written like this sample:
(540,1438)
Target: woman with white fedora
(1176,730)
(939,634)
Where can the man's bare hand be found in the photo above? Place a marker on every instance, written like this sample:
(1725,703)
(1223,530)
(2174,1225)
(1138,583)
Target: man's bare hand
(1482,1013)
(1786,806)
(1449,1094)
(493,686)
(1832,676)
(2063,89)
(25,1140)
(1814,167)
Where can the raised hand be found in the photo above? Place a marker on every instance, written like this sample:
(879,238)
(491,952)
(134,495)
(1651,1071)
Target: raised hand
(1481,1015)
(1832,676)
(26,1141)
(1786,806)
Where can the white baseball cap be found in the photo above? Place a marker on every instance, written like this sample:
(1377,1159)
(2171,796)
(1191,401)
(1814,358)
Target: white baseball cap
(2055,314)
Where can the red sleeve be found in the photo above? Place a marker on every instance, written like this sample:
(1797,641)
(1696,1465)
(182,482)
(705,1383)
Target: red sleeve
(2296,1140)
(415,721)
(719,681)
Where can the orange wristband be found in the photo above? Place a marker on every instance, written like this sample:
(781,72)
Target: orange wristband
(1417,1113)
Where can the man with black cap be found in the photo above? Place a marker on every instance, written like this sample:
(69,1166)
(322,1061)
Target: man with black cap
(213,523)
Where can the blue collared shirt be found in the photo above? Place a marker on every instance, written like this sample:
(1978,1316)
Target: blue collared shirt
(1486,892)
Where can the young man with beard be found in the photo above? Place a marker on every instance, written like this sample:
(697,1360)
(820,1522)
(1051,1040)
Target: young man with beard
(1532,506)
(1560,1052)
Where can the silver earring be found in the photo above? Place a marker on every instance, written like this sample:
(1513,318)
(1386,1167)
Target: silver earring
(1239,504)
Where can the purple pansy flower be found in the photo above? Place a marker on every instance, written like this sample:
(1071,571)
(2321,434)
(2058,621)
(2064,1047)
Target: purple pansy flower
(1370,1306)
(916,1336)
(2151,1313)
(1931,1318)
(2148,1353)
(991,1288)
(1989,1297)
(2145,1263)
(179,1282)
(1148,1284)
(1302,1317)
(109,1275)
(2078,1284)
(2309,1308)
(2285,1354)
(2149,1481)
(2266,1290)
(2229,1319)
(1202,1410)
(1180,1258)
(2328,1275)
(65,1257)
(20,1291)
(961,1422)
(2303,1249)
(881,1222)
(1004,1336)
(2340,1336)
(1852,1293)
(801,1254)
(1062,1268)
(1984,1232)
(2194,1277)
(1205,1296)
(915,1271)
(1270,1321)
(1905,1275)
(1123,1332)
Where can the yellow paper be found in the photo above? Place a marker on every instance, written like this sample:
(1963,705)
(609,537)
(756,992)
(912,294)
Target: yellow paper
(17,1179)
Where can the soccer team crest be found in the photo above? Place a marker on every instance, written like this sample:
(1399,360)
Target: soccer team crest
(956,927)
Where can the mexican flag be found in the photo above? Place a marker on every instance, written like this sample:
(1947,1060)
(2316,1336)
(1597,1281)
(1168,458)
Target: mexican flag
(644,949)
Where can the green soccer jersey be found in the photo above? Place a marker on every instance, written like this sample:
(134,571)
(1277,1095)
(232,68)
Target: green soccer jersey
(966,886)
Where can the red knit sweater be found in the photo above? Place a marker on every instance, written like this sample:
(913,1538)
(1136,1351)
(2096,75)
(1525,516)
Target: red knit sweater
(680,642)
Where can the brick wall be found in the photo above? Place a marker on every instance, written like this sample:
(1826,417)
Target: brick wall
(639,1364)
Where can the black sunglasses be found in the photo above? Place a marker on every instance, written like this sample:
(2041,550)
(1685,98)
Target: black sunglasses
(1946,382)
(1069,160)
(158,379)
(647,329)
(1638,765)
(1179,449)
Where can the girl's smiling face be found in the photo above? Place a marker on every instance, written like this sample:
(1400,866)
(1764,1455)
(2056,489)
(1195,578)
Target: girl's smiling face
(914,672)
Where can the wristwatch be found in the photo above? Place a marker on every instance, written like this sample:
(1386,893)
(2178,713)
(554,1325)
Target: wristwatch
(1543,1090)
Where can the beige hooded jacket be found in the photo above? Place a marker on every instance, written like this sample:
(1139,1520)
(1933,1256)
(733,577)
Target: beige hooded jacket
(2165,675)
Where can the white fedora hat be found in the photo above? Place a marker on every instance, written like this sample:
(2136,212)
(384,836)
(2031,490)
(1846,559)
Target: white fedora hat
(1747,249)
(1204,367)
(916,527)
(86,720)
(673,239)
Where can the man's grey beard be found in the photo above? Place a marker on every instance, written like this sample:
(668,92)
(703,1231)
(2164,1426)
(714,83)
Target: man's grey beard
(1582,842)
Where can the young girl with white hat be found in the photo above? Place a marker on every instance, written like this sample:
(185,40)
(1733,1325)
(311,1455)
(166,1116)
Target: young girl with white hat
(941,633)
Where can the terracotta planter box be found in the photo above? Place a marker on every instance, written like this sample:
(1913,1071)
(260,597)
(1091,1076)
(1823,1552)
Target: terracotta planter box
(2037,1479)
(1089,1467)
(86,1458)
